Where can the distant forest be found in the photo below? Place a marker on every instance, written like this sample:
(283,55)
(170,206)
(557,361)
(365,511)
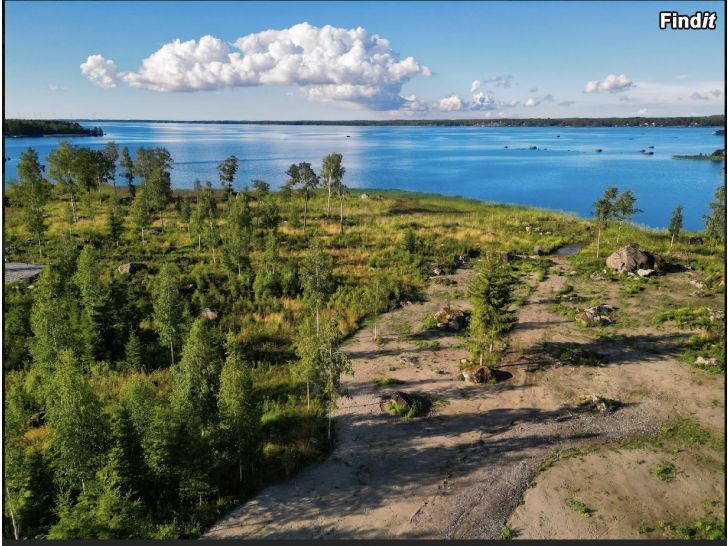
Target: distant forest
(43,127)
(697,121)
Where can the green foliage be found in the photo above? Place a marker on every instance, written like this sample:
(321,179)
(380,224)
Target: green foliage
(227,170)
(578,506)
(490,294)
(665,471)
(715,221)
(688,317)
(705,528)
(169,308)
(506,533)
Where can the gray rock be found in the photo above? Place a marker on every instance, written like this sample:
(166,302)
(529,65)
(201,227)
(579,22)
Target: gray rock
(598,276)
(707,361)
(645,272)
(130,268)
(630,258)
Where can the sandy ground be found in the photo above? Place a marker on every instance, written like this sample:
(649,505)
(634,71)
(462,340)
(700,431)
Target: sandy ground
(462,471)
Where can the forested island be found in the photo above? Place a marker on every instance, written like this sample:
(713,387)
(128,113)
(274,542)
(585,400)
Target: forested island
(696,121)
(716,155)
(47,127)
(182,350)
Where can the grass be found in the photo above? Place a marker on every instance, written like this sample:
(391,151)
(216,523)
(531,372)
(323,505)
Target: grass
(681,433)
(429,323)
(560,455)
(706,528)
(506,533)
(578,506)
(385,381)
(417,409)
(430,345)
(576,356)
(666,471)
(688,317)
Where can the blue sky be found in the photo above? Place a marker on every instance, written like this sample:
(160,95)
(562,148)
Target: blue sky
(408,60)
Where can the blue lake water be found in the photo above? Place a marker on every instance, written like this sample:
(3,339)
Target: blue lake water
(566,173)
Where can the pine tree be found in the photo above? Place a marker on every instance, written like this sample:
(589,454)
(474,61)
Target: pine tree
(490,295)
(115,222)
(140,211)
(95,301)
(158,189)
(133,353)
(715,222)
(127,170)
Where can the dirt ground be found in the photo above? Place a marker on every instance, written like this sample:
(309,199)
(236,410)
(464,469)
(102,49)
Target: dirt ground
(464,470)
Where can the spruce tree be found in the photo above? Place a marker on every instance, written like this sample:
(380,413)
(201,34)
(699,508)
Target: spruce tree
(490,295)
(169,307)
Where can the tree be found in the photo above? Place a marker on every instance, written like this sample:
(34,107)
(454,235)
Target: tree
(676,223)
(111,155)
(140,211)
(133,353)
(227,170)
(490,295)
(196,379)
(303,175)
(31,192)
(239,407)
(316,278)
(237,234)
(715,221)
(158,188)
(150,159)
(94,299)
(62,169)
(332,172)
(377,294)
(333,363)
(115,222)
(307,344)
(169,308)
(604,211)
(77,424)
(625,209)
(127,169)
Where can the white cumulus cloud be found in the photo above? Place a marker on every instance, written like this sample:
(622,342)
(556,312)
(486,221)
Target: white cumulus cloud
(329,63)
(612,84)
(450,103)
(100,71)
(531,102)
(474,86)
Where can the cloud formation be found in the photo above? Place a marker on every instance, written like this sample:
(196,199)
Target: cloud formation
(100,71)
(503,80)
(531,102)
(450,103)
(611,84)
(707,95)
(329,63)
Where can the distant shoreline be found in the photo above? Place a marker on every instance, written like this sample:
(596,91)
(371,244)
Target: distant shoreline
(715,121)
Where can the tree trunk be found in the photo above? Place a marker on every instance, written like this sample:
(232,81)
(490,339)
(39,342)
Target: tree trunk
(73,208)
(143,241)
(328,201)
(40,248)
(481,359)
(12,513)
(599,239)
(341,212)
(375,331)
(672,240)
(308,394)
(305,211)
(171,350)
(199,242)
(161,219)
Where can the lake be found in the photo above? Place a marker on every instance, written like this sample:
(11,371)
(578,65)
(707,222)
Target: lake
(495,164)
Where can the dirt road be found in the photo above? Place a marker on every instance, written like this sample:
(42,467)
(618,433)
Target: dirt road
(461,471)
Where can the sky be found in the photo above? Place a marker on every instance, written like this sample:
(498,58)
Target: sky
(358,60)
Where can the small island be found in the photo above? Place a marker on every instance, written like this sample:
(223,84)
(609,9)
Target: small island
(716,155)
(47,127)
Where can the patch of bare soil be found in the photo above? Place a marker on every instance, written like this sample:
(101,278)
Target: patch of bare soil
(460,471)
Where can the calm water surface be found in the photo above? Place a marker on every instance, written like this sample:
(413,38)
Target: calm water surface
(566,173)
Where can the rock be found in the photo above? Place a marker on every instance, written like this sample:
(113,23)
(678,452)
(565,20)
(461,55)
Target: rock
(707,361)
(315,443)
(406,360)
(539,251)
(528,229)
(597,403)
(695,241)
(697,283)
(437,272)
(402,399)
(716,315)
(209,314)
(460,260)
(598,276)
(572,273)
(130,268)
(645,272)
(631,258)
(599,315)
(364,196)
(452,318)
(477,375)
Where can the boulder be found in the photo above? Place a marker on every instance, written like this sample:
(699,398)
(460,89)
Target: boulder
(598,276)
(631,258)
(478,374)
(599,315)
(539,251)
(130,268)
(596,403)
(452,318)
(209,314)
(645,272)
(364,196)
(406,360)
(707,361)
